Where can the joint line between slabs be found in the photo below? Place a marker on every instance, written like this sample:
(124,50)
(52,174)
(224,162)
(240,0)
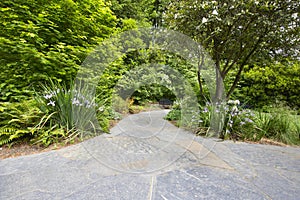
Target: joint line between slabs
(152,188)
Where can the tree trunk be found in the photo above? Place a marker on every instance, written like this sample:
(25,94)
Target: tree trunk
(219,87)
(200,66)
(219,84)
(200,83)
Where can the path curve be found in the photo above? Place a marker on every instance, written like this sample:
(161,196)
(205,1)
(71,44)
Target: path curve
(146,157)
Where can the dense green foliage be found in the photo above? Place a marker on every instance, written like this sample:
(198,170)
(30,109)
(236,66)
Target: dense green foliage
(254,45)
(277,83)
(42,39)
(146,12)
(122,73)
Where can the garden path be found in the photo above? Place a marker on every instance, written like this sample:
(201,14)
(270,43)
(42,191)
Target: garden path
(146,157)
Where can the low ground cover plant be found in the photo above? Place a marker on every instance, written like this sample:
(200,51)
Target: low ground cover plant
(240,123)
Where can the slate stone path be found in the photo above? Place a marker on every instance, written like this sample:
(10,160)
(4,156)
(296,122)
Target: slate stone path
(146,157)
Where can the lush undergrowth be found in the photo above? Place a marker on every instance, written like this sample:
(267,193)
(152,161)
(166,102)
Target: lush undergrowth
(55,116)
(58,114)
(280,124)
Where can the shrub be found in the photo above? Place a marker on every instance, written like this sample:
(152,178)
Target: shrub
(41,39)
(173,115)
(267,85)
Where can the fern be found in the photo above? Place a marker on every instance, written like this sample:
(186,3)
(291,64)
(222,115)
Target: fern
(16,120)
(5,135)
(4,140)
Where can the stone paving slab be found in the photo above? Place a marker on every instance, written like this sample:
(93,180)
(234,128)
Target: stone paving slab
(164,163)
(205,183)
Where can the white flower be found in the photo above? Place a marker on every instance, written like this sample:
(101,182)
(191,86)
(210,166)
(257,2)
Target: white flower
(101,109)
(230,102)
(237,102)
(295,15)
(215,12)
(48,96)
(52,103)
(204,20)
(75,102)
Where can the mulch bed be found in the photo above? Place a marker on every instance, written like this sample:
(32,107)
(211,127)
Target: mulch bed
(21,149)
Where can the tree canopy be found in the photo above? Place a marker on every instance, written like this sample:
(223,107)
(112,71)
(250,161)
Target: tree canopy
(239,33)
(147,12)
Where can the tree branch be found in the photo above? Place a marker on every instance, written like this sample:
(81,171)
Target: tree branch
(241,67)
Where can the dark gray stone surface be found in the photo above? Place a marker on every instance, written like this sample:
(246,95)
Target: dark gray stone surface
(146,157)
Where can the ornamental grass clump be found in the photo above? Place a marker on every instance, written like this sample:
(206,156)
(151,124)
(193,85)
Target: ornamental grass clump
(69,112)
(238,122)
(228,119)
(281,125)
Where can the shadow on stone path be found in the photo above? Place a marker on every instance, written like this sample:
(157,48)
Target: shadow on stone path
(146,157)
